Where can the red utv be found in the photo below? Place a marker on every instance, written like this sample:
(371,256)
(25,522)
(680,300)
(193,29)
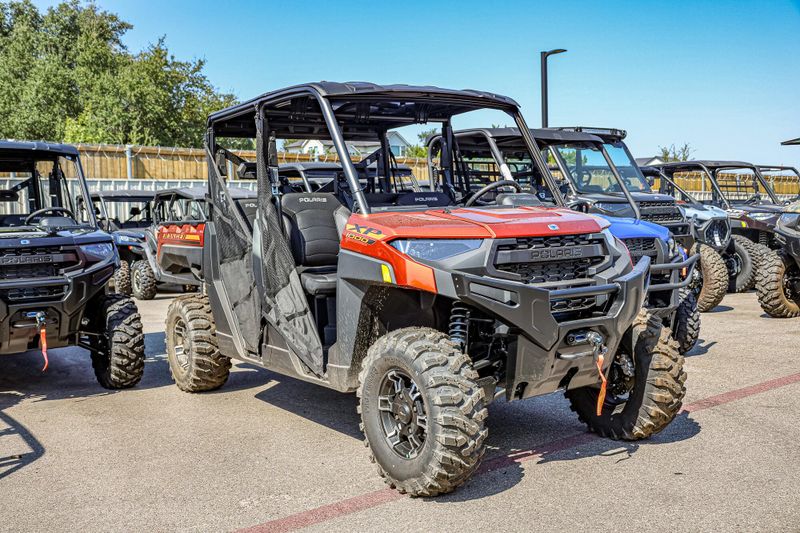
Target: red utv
(428,305)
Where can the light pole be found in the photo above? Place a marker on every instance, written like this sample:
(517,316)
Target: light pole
(544,56)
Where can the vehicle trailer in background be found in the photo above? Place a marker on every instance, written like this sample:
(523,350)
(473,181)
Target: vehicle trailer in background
(136,208)
(424,304)
(55,263)
(490,155)
(173,243)
(753,209)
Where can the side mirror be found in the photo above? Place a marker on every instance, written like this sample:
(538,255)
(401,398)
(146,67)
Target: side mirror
(135,211)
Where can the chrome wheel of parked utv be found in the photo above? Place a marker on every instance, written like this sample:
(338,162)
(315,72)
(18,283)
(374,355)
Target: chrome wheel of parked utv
(646,385)
(421,411)
(194,358)
(778,286)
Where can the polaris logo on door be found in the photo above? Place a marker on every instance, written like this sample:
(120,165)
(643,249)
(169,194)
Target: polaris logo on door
(311,199)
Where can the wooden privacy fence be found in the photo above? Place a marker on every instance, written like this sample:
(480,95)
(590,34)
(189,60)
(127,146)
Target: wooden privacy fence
(103,161)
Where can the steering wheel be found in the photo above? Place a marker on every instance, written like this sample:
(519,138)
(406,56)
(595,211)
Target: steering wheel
(492,186)
(38,212)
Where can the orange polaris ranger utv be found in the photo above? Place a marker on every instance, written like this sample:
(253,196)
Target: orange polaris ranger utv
(424,303)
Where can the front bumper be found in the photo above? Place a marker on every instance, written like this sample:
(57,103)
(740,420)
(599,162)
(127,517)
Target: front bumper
(63,300)
(663,292)
(542,358)
(790,244)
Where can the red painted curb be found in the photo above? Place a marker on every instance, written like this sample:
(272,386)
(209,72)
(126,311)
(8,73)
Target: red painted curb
(379,497)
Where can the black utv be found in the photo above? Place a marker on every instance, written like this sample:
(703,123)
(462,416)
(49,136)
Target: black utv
(55,263)
(125,214)
(752,206)
(426,305)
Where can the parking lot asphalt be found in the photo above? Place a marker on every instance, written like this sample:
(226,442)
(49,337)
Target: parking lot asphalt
(270,453)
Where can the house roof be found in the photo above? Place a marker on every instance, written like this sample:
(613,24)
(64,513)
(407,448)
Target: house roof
(646,160)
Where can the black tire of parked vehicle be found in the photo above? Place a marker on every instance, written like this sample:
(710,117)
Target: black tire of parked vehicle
(775,299)
(143,281)
(687,322)
(746,278)
(715,278)
(122,278)
(447,395)
(760,251)
(118,354)
(657,393)
(195,361)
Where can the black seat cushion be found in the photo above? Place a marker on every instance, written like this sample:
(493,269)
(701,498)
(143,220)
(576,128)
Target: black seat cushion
(311,228)
(319,283)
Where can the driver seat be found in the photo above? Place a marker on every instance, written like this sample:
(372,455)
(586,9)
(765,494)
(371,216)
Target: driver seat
(314,223)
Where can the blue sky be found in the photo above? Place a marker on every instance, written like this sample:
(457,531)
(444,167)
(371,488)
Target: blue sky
(723,75)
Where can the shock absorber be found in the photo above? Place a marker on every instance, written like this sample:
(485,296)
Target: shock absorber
(459,324)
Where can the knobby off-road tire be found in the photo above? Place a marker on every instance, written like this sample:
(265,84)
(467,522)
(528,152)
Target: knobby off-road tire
(715,278)
(658,390)
(195,362)
(745,280)
(118,361)
(760,251)
(770,285)
(446,393)
(687,322)
(143,281)
(122,278)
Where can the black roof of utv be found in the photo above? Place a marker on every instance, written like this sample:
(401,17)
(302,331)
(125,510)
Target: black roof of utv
(124,194)
(38,146)
(371,106)
(510,136)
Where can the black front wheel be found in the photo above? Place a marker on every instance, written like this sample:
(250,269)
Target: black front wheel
(143,280)
(741,269)
(778,286)
(645,391)
(710,283)
(422,412)
(686,330)
(117,341)
(122,278)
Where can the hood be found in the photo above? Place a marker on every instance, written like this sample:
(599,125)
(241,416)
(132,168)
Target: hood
(478,223)
(630,228)
(129,236)
(32,237)
(758,208)
(703,212)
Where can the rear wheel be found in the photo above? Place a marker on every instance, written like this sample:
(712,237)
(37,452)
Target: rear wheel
(122,278)
(421,411)
(778,286)
(118,347)
(143,281)
(687,322)
(711,282)
(644,393)
(739,262)
(194,358)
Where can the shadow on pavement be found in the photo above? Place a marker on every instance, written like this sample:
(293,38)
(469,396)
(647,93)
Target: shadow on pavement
(721,309)
(701,348)
(18,446)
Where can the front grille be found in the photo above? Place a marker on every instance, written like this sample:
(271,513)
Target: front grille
(640,247)
(572,304)
(32,293)
(662,213)
(565,265)
(35,263)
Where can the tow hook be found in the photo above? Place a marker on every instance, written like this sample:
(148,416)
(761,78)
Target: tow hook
(41,325)
(600,350)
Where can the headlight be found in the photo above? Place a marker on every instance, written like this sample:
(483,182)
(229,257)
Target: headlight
(789,221)
(126,239)
(762,216)
(672,248)
(614,208)
(435,249)
(98,251)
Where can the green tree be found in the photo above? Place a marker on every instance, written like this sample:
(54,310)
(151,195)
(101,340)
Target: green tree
(672,153)
(65,75)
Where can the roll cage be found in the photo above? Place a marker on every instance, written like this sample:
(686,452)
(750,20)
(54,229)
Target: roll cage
(353,111)
(711,170)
